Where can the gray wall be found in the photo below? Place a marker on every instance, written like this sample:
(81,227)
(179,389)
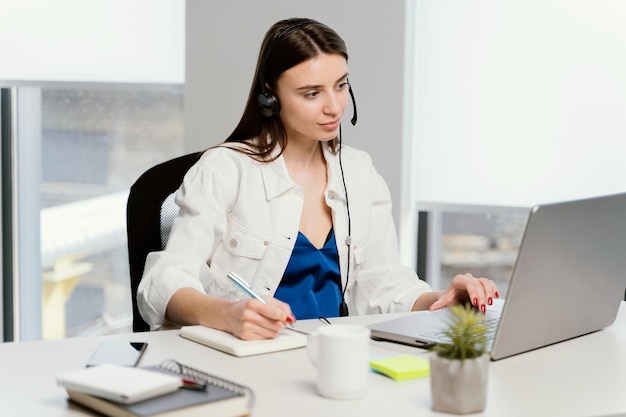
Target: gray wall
(223,40)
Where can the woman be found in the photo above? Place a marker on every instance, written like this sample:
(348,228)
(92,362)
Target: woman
(306,221)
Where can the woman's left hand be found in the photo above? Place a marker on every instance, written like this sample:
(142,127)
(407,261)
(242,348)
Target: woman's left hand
(480,292)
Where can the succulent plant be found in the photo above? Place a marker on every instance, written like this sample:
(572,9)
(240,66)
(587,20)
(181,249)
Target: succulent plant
(467,334)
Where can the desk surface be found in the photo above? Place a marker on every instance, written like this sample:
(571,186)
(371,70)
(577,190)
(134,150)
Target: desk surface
(585,376)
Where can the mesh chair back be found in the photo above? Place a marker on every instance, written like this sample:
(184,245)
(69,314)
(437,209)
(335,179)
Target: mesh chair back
(169,211)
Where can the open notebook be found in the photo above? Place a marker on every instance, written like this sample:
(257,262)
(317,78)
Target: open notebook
(568,281)
(226,342)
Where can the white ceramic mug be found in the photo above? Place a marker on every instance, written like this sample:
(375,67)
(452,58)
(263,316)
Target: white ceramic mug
(340,352)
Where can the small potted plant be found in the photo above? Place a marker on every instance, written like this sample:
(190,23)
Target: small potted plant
(459,369)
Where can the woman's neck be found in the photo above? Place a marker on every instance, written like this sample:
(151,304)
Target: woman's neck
(303,156)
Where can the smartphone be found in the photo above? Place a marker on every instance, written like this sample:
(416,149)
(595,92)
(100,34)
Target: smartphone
(118,352)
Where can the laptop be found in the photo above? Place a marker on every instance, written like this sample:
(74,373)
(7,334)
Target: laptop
(568,281)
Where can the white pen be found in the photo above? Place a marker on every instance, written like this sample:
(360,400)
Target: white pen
(244,286)
(248,290)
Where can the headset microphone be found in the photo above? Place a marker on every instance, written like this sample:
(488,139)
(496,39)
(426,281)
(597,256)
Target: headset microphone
(353,120)
(343,307)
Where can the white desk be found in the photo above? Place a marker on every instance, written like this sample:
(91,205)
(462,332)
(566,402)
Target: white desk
(581,377)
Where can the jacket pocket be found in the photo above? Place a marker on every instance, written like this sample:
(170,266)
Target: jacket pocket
(240,242)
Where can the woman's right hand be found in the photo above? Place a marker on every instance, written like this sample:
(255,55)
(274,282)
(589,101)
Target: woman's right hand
(253,320)
(248,319)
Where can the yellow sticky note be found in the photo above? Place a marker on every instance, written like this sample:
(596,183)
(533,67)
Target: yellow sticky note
(402,367)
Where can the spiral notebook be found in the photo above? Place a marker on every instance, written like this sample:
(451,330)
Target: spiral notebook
(221,398)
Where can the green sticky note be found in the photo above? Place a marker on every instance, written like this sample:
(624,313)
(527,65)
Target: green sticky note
(402,367)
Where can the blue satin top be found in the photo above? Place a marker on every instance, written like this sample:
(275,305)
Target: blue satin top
(311,283)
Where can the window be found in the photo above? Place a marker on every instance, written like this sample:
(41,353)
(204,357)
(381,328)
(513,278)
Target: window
(484,244)
(95,143)
(98,101)
(74,153)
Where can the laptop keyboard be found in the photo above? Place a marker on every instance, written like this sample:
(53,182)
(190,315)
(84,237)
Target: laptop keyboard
(492,326)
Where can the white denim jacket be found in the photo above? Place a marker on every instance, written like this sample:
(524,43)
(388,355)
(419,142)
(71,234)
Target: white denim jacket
(241,215)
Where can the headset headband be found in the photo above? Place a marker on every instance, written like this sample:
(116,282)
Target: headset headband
(283,34)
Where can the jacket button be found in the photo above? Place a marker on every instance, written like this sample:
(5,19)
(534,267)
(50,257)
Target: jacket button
(233,243)
(331,195)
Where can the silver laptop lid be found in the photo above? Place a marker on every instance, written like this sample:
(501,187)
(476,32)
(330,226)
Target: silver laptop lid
(568,280)
(569,277)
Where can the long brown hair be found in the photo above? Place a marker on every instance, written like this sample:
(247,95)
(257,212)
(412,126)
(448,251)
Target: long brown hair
(286,44)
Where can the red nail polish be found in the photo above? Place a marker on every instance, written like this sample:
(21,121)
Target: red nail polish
(497,295)
(490,301)
(291,318)
(483,308)
(475,301)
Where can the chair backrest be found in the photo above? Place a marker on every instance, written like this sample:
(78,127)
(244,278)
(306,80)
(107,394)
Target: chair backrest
(150,212)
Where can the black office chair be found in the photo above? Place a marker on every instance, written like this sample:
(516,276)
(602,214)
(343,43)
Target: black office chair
(150,212)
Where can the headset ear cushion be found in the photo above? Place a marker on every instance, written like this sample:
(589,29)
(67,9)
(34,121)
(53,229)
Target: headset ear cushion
(268,103)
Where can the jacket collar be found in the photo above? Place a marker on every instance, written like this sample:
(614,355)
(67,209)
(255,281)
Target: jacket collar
(335,184)
(277,181)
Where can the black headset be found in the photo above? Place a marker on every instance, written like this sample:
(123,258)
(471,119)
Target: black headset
(269,106)
(267,100)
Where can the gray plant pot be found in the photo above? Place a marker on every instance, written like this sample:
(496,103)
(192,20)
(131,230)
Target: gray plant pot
(459,387)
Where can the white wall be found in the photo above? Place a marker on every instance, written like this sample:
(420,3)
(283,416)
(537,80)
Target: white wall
(223,41)
(138,41)
(520,102)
